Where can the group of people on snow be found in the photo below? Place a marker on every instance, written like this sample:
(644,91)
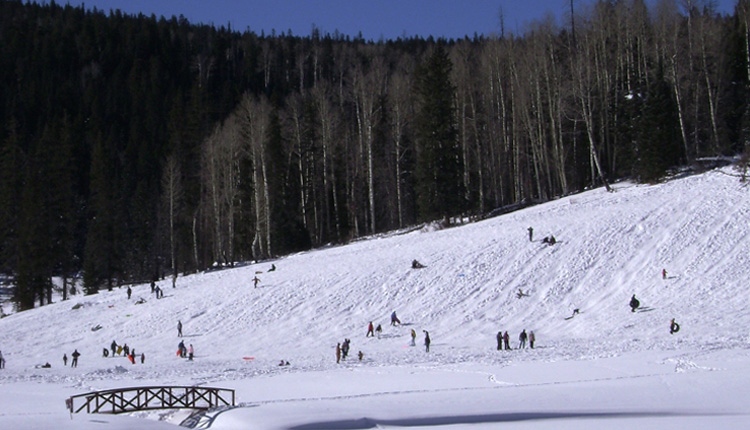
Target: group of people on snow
(185,352)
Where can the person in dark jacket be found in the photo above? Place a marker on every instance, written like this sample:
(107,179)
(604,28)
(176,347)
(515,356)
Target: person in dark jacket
(75,356)
(506,341)
(426,341)
(522,339)
(673,327)
(634,303)
(129,292)
(500,340)
(113,347)
(531,234)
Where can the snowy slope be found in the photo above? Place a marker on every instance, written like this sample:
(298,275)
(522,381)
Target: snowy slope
(610,246)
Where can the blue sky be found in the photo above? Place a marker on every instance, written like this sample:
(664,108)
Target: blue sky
(388,19)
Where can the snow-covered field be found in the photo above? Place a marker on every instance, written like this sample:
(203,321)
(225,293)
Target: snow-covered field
(607,367)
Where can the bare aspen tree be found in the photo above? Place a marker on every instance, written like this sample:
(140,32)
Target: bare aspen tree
(211,160)
(400,104)
(172,196)
(253,119)
(584,77)
(367,88)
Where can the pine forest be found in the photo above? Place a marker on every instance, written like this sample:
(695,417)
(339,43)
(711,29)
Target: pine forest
(136,148)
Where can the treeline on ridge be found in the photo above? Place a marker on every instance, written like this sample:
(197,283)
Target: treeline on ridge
(137,147)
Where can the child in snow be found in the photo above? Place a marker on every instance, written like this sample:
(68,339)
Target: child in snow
(190,352)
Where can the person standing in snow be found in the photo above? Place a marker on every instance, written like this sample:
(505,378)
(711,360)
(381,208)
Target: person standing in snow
(379,330)
(370,330)
(531,234)
(255,281)
(65,359)
(2,361)
(413,337)
(345,349)
(426,341)
(338,353)
(179,328)
(532,338)
(522,339)
(663,273)
(190,352)
(113,346)
(506,341)
(129,292)
(394,319)
(143,357)
(75,356)
(500,340)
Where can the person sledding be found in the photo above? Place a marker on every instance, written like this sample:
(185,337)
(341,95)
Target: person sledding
(416,265)
(394,319)
(634,303)
(673,327)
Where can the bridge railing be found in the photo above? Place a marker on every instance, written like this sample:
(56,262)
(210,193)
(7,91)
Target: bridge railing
(132,399)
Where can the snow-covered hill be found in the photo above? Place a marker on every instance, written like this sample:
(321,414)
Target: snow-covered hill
(609,247)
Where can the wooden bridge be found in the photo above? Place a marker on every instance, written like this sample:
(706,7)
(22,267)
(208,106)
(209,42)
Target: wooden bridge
(132,399)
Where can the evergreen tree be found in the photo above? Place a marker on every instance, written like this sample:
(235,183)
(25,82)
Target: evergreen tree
(656,133)
(438,165)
